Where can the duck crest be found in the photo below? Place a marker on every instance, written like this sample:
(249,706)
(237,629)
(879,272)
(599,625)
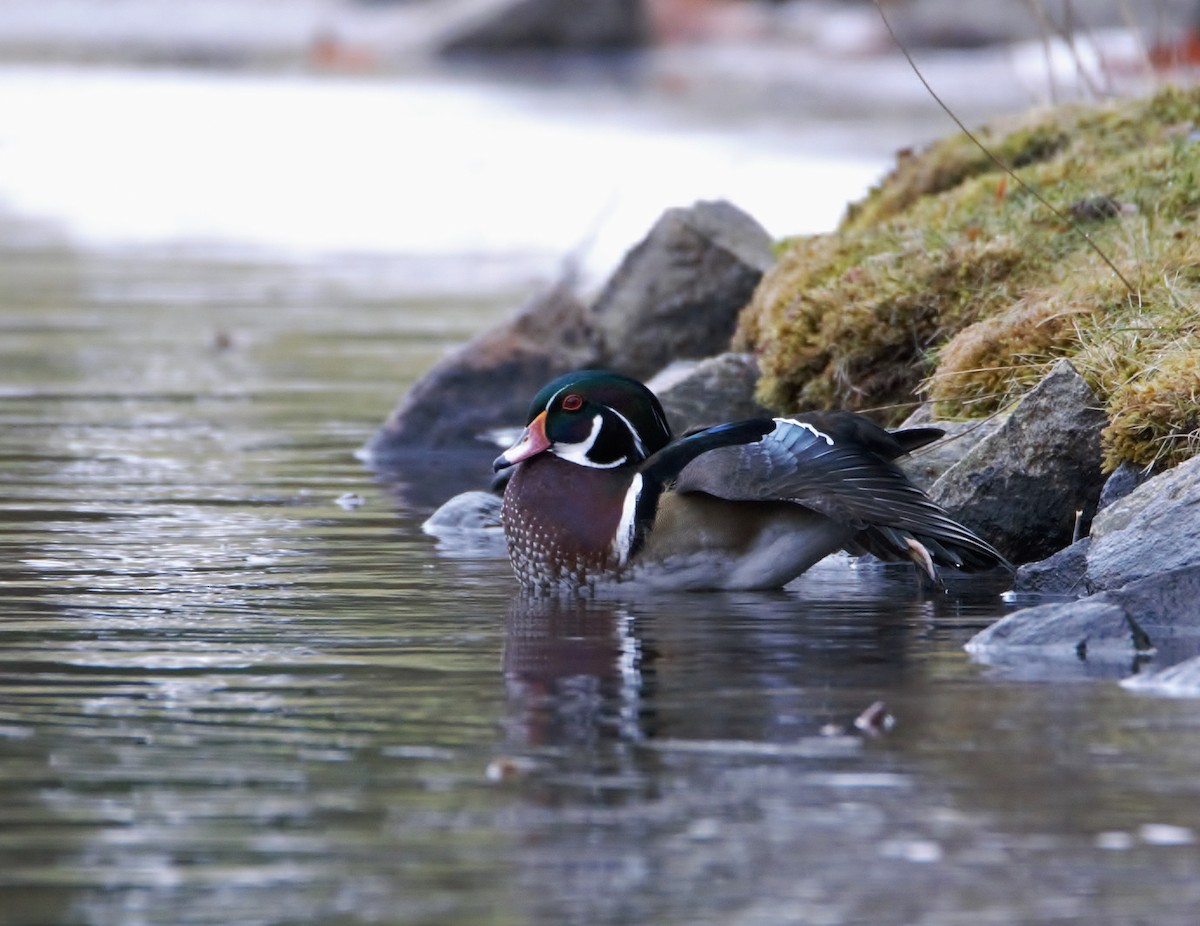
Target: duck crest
(560,521)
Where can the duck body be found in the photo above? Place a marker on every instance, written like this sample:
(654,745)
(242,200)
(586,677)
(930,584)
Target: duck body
(600,493)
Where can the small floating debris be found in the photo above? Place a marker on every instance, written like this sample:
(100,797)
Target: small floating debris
(705,829)
(1165,834)
(1114,841)
(875,720)
(508,768)
(921,851)
(350,500)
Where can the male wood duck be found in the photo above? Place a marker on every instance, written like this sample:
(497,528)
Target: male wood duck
(601,493)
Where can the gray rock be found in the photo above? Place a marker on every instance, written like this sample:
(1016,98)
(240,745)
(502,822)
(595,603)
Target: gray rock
(1166,606)
(1181,680)
(466,512)
(489,381)
(1156,615)
(1021,488)
(927,465)
(535,25)
(1123,480)
(696,394)
(1094,628)
(1153,529)
(1064,573)
(677,294)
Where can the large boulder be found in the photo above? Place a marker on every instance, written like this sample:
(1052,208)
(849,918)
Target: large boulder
(1024,486)
(1153,529)
(677,294)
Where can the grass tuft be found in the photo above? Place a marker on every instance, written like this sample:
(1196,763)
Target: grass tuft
(949,282)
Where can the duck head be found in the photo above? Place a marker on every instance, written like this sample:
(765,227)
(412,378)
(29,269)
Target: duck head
(591,418)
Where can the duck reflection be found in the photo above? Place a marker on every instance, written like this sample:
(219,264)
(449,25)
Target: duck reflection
(761,666)
(576,672)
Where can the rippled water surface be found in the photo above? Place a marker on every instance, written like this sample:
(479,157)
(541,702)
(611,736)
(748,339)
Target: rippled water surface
(239,685)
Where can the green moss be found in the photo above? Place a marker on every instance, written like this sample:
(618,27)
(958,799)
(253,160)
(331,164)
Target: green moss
(950,281)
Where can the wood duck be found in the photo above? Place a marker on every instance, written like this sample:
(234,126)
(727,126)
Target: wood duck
(601,493)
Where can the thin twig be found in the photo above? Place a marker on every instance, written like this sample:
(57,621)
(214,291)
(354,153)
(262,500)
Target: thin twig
(995,160)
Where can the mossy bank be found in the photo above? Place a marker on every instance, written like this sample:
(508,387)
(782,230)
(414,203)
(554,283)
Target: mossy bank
(951,282)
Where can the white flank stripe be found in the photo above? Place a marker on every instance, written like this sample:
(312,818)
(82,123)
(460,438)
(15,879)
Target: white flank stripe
(624,538)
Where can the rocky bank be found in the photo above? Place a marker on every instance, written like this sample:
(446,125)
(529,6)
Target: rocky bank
(1107,535)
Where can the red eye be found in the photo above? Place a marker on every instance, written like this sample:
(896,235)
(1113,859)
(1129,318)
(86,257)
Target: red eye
(572,402)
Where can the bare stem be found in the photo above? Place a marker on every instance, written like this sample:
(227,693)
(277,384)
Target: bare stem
(995,160)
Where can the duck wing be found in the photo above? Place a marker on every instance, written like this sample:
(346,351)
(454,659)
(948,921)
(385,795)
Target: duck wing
(840,465)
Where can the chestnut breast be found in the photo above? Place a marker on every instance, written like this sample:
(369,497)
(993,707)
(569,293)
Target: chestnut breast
(560,520)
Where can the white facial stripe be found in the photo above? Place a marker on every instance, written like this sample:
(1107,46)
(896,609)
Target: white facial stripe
(624,538)
(577,453)
(808,427)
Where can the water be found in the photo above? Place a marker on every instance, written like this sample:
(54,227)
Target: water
(241,686)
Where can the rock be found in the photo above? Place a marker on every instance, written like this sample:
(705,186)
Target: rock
(1095,628)
(1064,573)
(541,25)
(678,293)
(465,513)
(1090,639)
(1154,616)
(489,381)
(1164,606)
(468,525)
(1181,680)
(927,465)
(1123,480)
(709,391)
(1153,529)
(1022,487)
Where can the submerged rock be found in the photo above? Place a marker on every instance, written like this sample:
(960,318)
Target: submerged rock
(1155,616)
(1141,565)
(1024,486)
(1096,628)
(1181,680)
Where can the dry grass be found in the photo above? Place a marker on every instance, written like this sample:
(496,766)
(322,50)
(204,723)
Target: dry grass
(948,283)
